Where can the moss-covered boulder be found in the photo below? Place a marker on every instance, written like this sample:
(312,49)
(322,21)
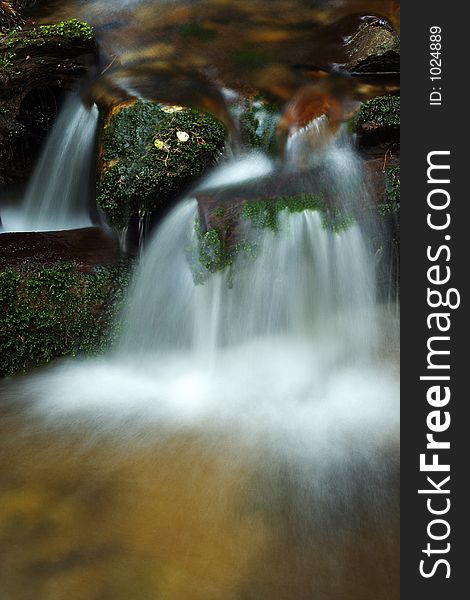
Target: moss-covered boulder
(36,65)
(151,153)
(56,310)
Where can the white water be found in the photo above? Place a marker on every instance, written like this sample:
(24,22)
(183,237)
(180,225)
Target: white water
(59,193)
(285,353)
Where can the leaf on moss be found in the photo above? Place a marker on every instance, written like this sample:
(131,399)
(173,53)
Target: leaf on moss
(160,145)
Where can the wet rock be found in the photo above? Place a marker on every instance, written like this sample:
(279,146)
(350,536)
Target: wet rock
(151,154)
(89,247)
(36,65)
(59,294)
(377,125)
(231,218)
(373,48)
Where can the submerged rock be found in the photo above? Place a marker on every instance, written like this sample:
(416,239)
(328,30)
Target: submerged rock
(36,65)
(150,154)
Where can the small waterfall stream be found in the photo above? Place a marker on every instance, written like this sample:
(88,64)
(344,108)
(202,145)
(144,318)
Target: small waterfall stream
(244,430)
(59,194)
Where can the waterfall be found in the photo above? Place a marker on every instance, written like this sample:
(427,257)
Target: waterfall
(307,281)
(288,345)
(260,398)
(59,193)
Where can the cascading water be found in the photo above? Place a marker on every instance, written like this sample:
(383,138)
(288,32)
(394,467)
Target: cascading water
(59,194)
(259,404)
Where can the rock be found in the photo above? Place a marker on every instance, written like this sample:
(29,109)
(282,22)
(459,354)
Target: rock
(36,65)
(377,124)
(230,218)
(89,247)
(150,154)
(373,48)
(59,295)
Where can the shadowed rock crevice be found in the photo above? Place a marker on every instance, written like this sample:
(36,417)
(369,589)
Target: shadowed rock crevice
(36,65)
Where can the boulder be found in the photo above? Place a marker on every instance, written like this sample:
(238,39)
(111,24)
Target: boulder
(373,48)
(151,154)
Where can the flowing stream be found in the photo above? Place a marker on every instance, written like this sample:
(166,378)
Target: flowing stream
(239,443)
(59,195)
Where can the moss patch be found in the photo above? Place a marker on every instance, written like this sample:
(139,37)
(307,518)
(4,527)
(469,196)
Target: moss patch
(213,254)
(21,49)
(47,312)
(73,30)
(151,153)
(265,213)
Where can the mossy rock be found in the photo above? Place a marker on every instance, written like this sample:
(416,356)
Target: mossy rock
(382,112)
(151,153)
(36,65)
(221,243)
(60,39)
(59,310)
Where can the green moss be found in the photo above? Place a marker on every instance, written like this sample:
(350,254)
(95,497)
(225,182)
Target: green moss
(74,29)
(265,213)
(213,254)
(7,66)
(383,111)
(17,41)
(55,311)
(148,163)
(392,204)
(4,110)
(78,31)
